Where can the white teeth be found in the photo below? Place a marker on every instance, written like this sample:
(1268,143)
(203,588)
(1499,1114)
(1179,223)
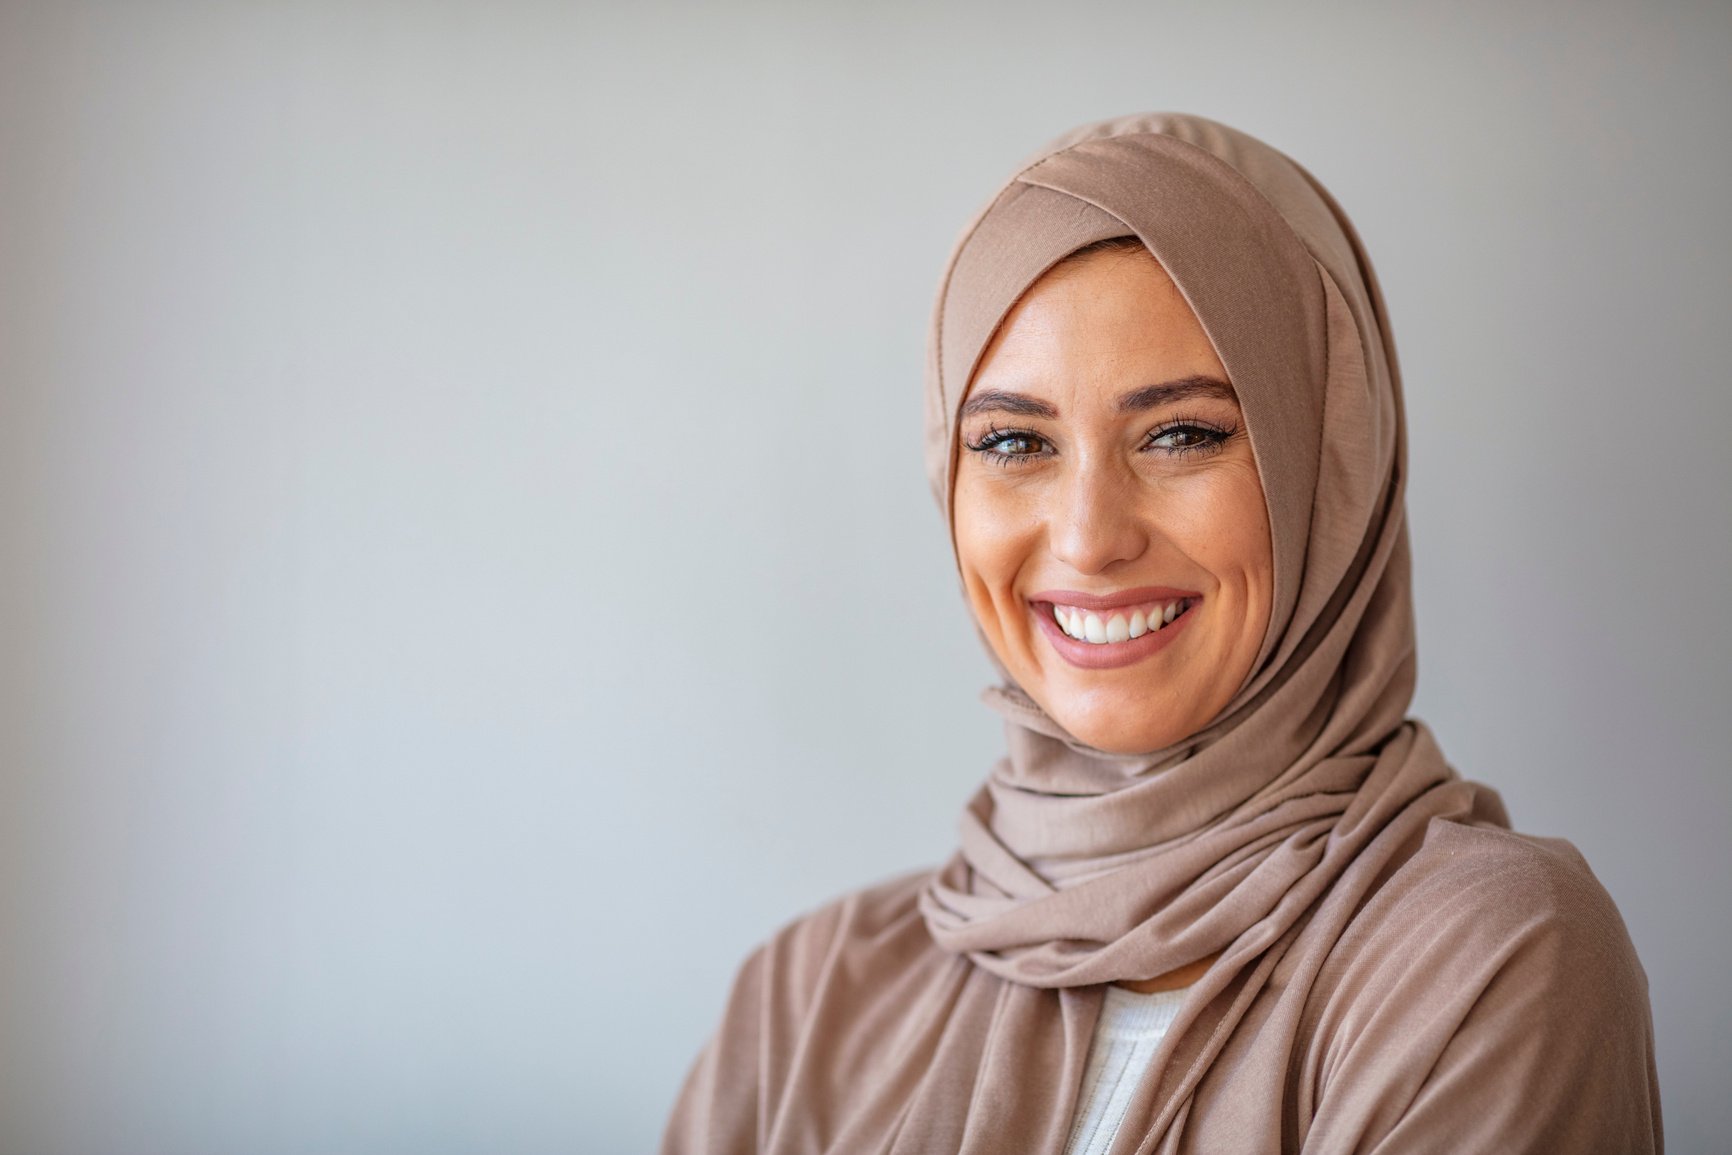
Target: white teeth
(1087,627)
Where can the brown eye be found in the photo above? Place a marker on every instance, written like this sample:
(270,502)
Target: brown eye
(1187,437)
(1005,446)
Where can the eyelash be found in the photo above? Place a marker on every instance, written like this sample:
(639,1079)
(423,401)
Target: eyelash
(1214,437)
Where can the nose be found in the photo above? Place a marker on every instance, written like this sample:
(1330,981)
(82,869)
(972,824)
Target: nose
(1096,520)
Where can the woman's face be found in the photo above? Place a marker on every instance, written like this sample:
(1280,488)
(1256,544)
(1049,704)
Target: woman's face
(1110,523)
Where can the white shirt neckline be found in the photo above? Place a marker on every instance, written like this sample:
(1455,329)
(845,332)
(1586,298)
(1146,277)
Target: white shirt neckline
(1126,1036)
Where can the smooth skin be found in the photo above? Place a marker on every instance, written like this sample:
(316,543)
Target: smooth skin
(1093,497)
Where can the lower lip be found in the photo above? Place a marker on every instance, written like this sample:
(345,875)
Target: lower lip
(1112,655)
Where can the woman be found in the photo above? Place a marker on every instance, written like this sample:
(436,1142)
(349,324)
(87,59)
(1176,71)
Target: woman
(1221,895)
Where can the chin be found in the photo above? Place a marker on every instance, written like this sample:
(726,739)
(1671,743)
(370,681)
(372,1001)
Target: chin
(1105,727)
(1116,741)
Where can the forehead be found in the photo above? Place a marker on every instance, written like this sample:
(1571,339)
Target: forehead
(1096,322)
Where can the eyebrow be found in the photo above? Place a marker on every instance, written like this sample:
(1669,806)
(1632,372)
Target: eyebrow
(1137,400)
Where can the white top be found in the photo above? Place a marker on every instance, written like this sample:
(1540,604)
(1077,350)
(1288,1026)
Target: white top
(1131,1026)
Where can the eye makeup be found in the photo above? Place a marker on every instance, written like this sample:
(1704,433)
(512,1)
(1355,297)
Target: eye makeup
(1177,437)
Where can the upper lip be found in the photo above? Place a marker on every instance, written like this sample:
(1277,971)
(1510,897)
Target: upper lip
(1134,597)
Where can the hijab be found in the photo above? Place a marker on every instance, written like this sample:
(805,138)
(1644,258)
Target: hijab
(1143,864)
(1312,836)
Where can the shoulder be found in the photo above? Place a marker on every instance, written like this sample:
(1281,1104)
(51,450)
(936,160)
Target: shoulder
(849,943)
(1512,900)
(870,913)
(866,934)
(1488,986)
(1480,911)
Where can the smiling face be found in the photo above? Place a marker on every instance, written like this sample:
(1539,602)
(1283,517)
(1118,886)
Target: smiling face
(1105,481)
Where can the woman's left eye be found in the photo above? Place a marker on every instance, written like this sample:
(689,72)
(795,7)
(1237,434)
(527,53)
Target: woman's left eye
(1187,437)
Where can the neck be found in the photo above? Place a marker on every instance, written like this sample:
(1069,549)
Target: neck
(1174,979)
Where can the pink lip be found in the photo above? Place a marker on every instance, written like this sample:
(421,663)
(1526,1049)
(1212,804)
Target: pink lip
(1134,597)
(1088,656)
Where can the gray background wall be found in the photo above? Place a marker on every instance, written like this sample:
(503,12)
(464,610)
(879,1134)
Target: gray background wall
(468,574)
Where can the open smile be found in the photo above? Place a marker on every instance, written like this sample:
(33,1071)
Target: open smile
(1098,633)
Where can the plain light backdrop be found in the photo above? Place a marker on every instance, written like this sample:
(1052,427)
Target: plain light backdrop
(468,574)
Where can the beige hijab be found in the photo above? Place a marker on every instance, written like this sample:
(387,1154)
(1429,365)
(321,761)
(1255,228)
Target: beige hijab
(1078,867)
(1313,834)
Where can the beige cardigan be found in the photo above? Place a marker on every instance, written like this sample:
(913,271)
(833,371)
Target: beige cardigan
(1511,1016)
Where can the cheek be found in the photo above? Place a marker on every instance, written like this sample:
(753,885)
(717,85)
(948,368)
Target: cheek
(995,535)
(1225,529)
(1249,558)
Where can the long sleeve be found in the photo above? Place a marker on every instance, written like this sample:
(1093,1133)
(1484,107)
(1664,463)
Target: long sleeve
(720,1107)
(1527,1072)
(798,1018)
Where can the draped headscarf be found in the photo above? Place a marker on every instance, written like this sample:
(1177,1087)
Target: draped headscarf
(1313,836)
(1081,867)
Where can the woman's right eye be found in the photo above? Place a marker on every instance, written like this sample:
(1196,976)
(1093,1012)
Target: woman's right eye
(1005,446)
